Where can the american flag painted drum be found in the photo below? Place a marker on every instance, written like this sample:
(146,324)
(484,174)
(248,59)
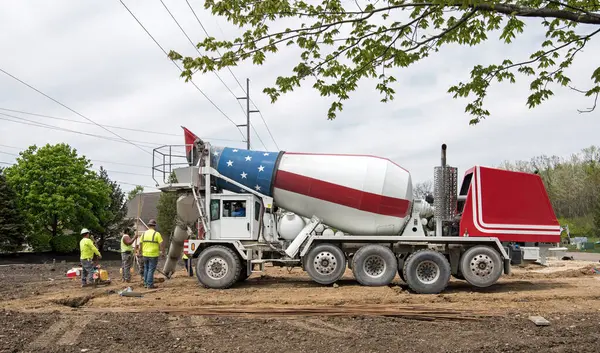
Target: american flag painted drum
(355,194)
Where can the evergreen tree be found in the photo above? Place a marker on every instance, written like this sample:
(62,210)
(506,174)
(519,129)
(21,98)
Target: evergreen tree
(12,222)
(112,222)
(167,211)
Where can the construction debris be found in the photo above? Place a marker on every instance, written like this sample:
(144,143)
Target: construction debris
(539,321)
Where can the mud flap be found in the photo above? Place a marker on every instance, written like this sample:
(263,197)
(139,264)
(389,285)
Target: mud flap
(507,266)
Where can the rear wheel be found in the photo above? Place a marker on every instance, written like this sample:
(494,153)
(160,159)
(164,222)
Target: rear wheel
(427,271)
(243,274)
(218,267)
(374,265)
(401,262)
(481,266)
(325,263)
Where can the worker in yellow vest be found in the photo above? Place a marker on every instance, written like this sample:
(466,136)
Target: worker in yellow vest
(127,254)
(87,250)
(152,247)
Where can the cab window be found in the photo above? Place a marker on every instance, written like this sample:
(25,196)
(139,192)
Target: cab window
(215,206)
(234,209)
(256,210)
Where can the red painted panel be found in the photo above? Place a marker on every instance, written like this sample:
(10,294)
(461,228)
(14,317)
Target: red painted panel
(322,190)
(514,198)
(510,198)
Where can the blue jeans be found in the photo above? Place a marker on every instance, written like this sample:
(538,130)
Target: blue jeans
(188,266)
(87,272)
(149,268)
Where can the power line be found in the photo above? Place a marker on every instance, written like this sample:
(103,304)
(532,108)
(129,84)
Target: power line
(208,35)
(81,115)
(144,186)
(52,127)
(234,76)
(120,172)
(92,160)
(180,69)
(198,51)
(267,126)
(110,126)
(257,135)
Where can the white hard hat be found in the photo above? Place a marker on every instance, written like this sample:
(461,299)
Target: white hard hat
(85,230)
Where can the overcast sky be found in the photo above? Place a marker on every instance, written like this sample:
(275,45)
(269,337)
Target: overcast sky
(93,57)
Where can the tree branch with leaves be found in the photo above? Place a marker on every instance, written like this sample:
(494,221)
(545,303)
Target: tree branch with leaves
(341,45)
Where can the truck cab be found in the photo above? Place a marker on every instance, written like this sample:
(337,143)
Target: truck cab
(235,216)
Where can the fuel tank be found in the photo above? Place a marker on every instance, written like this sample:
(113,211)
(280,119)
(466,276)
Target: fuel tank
(356,194)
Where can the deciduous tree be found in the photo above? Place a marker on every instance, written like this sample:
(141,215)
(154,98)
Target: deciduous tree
(343,42)
(57,189)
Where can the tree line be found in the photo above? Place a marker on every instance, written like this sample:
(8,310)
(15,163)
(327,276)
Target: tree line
(50,194)
(572,184)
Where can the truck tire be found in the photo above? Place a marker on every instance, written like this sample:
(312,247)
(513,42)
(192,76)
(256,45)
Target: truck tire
(427,271)
(374,265)
(481,266)
(218,267)
(243,274)
(325,263)
(401,262)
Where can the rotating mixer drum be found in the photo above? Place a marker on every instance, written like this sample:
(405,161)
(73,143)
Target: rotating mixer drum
(356,194)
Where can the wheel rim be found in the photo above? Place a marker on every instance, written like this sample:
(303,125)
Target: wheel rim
(481,265)
(428,272)
(374,266)
(216,268)
(325,263)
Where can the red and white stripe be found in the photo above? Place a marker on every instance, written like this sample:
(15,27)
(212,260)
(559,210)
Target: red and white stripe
(186,247)
(357,194)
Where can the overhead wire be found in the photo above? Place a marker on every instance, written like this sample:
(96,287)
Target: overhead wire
(179,68)
(92,160)
(110,126)
(52,127)
(234,76)
(70,109)
(214,72)
(198,51)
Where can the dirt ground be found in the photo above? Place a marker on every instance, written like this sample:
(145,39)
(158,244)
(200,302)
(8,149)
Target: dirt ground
(283,310)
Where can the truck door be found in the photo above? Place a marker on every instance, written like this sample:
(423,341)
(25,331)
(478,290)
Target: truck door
(235,219)
(257,211)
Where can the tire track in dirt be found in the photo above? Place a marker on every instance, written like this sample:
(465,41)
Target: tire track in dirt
(77,326)
(321,327)
(50,334)
(199,324)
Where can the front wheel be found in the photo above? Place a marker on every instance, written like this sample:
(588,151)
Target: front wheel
(218,267)
(481,266)
(325,263)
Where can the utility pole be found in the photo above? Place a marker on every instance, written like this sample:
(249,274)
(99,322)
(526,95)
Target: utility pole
(248,111)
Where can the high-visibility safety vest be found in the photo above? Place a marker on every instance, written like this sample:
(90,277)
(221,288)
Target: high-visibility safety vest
(185,256)
(125,247)
(87,249)
(151,243)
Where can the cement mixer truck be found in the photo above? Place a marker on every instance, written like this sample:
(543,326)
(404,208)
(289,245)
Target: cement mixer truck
(240,209)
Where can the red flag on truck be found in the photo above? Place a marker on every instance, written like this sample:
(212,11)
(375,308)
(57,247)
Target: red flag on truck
(190,139)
